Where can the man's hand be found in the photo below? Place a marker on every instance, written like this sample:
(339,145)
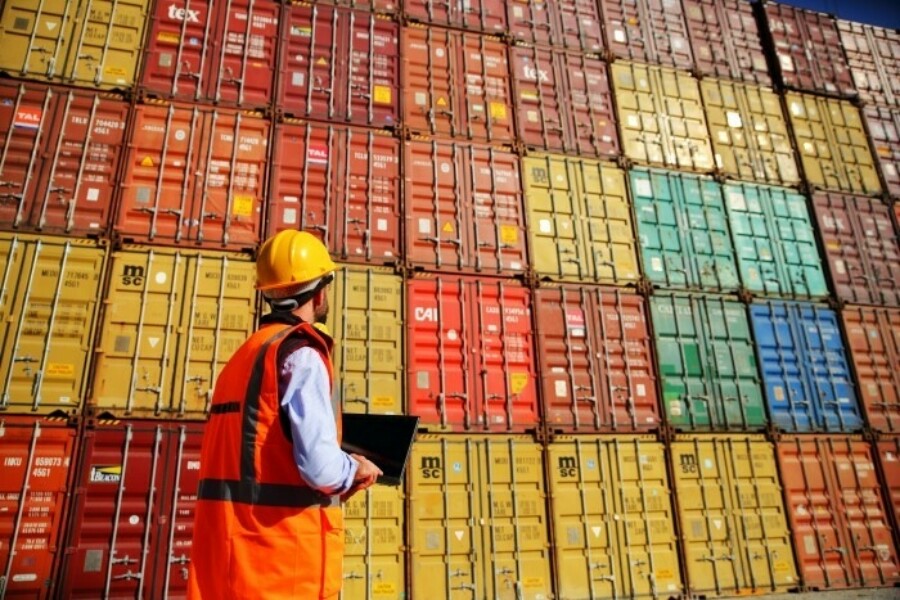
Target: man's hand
(366,474)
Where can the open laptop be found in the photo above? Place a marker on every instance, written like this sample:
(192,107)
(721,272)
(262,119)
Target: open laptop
(384,439)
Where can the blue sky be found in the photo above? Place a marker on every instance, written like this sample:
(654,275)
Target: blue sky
(885,13)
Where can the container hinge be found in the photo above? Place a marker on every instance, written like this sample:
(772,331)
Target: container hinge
(16,197)
(179,560)
(129,575)
(354,575)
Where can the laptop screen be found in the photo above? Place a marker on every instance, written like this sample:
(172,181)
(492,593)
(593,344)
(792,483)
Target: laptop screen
(384,439)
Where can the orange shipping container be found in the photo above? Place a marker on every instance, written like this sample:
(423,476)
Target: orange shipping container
(889,456)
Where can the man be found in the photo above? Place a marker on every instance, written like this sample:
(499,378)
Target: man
(268,520)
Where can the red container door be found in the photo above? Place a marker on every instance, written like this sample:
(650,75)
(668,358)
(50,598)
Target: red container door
(570,24)
(873,335)
(649,31)
(486,16)
(889,457)
(35,456)
(883,124)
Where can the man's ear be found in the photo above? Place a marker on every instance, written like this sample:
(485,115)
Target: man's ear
(319,297)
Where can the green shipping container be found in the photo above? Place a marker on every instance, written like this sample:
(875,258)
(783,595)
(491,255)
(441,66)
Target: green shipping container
(707,364)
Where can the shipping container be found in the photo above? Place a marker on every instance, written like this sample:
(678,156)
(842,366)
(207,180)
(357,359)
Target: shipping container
(873,54)
(807,49)
(873,336)
(595,360)
(861,246)
(49,290)
(804,367)
(661,117)
(749,132)
(338,65)
(463,207)
(884,130)
(579,220)
(132,516)
(570,24)
(775,242)
(378,6)
(683,230)
(366,321)
(340,183)
(888,452)
(470,354)
(839,517)
(478,520)
(648,31)
(456,84)
(833,145)
(707,366)
(171,320)
(213,54)
(193,175)
(90,43)
(564,102)
(486,16)
(35,470)
(734,529)
(725,40)
(374,549)
(59,160)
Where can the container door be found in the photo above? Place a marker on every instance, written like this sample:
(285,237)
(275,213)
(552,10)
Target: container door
(541,107)
(244,71)
(872,55)
(873,336)
(36,36)
(488,16)
(374,548)
(650,31)
(884,130)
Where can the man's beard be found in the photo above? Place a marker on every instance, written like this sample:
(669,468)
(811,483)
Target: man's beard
(321,312)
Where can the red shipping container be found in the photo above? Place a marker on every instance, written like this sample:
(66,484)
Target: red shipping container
(808,50)
(470,346)
(456,85)
(464,207)
(60,157)
(862,250)
(571,24)
(888,450)
(838,516)
(194,175)
(649,31)
(487,16)
(873,54)
(725,40)
(338,65)
(35,460)
(595,360)
(873,335)
(133,511)
(884,130)
(564,102)
(340,183)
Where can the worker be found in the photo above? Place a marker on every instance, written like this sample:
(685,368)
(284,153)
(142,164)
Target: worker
(268,521)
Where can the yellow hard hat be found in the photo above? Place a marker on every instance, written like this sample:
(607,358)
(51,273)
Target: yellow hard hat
(290,258)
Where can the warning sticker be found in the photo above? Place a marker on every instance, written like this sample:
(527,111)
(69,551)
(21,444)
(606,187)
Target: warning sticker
(384,588)
(147,162)
(517,382)
(60,369)
(448,227)
(167,37)
(382,94)
(383,401)
(498,110)
(509,234)
(242,206)
(28,117)
(441,101)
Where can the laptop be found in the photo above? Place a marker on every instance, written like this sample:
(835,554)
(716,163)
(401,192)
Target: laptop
(384,439)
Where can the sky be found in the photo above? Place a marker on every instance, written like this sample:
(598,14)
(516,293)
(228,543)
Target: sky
(885,13)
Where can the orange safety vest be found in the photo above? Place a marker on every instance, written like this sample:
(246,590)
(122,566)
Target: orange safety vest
(259,530)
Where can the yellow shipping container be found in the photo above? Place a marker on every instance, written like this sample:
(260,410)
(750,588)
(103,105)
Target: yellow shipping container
(579,220)
(612,518)
(833,145)
(732,515)
(171,320)
(478,522)
(374,559)
(48,304)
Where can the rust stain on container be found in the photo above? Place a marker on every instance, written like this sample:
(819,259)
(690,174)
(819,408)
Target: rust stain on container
(884,131)
(873,54)
(725,40)
(570,24)
(487,16)
(650,31)
(873,336)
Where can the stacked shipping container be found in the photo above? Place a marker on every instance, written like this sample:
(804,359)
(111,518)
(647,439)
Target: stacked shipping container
(629,262)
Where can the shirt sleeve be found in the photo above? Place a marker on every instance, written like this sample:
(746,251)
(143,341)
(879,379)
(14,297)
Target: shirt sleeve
(306,398)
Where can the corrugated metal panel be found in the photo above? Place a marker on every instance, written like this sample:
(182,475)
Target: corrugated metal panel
(478,518)
(194,175)
(804,367)
(48,305)
(488,16)
(707,365)
(612,517)
(340,183)
(595,360)
(570,24)
(650,31)
(579,220)
(35,457)
(36,38)
(884,128)
(725,40)
(774,239)
(863,253)
(379,6)
(661,117)
(564,102)
(374,550)
(842,532)
(366,320)
(832,143)
(749,132)
(808,50)
(456,84)
(736,537)
(873,54)
(244,72)
(888,452)
(873,336)
(464,208)
(470,347)
(172,319)
(683,229)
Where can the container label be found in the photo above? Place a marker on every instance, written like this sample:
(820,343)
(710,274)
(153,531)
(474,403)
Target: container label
(643,187)
(382,94)
(533,582)
(498,111)
(242,206)
(28,117)
(517,382)
(562,389)
(317,154)
(384,588)
(168,37)
(509,234)
(107,474)
(60,369)
(383,401)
